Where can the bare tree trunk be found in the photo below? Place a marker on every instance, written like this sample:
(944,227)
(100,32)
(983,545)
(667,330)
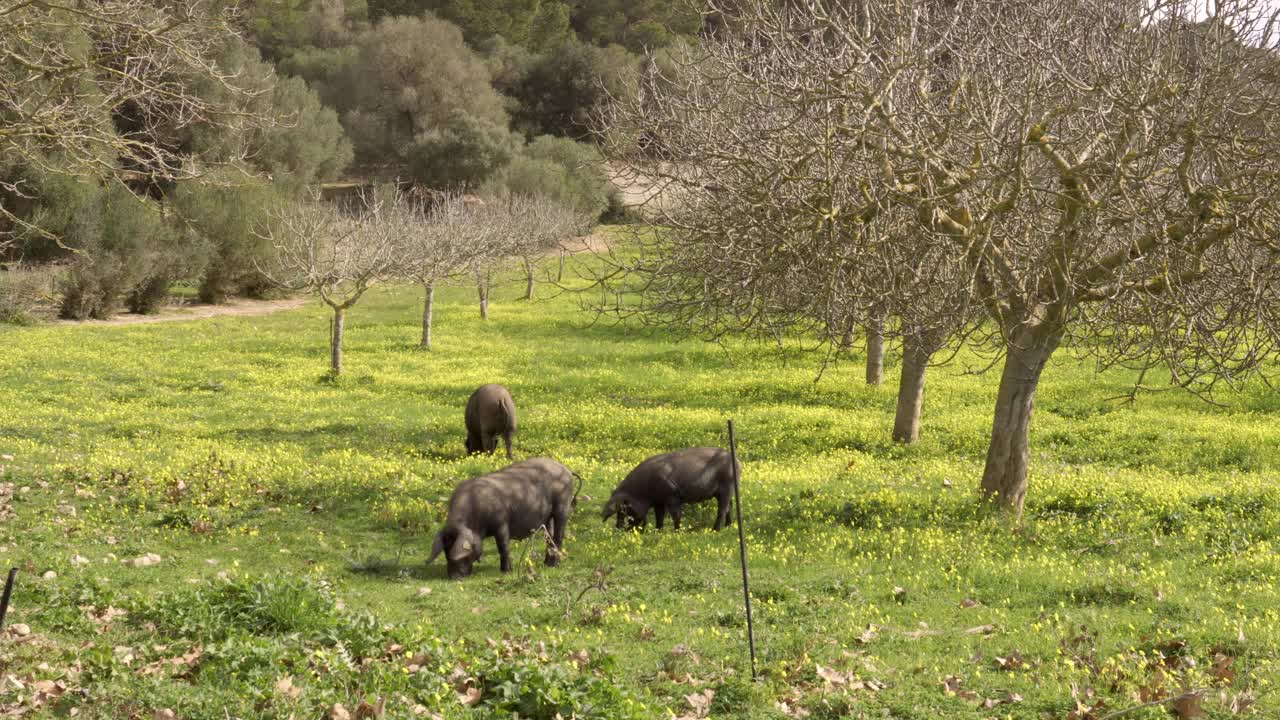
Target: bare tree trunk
(528,271)
(482,287)
(1004,480)
(428,306)
(875,351)
(915,363)
(560,270)
(335,342)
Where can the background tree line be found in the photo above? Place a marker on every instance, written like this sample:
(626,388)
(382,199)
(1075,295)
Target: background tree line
(487,97)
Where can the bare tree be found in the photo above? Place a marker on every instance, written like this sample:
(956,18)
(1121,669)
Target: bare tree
(542,226)
(767,224)
(453,237)
(875,348)
(498,237)
(98,89)
(338,256)
(1095,172)
(519,227)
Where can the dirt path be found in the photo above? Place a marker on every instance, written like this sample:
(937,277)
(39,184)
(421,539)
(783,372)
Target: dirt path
(593,243)
(234,308)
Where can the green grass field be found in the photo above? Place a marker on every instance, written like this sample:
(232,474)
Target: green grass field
(292,519)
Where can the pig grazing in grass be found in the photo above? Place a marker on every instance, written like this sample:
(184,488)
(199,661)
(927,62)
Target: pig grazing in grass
(665,483)
(512,503)
(490,412)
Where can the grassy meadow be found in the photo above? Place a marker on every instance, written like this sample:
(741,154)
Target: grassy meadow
(205,526)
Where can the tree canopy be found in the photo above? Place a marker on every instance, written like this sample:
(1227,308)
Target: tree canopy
(1089,172)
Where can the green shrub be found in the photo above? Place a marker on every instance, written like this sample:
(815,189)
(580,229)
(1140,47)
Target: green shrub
(228,218)
(118,239)
(462,153)
(569,172)
(561,87)
(23,292)
(408,76)
(617,212)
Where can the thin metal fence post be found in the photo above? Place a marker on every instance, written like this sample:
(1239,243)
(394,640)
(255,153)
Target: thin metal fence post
(8,591)
(742,549)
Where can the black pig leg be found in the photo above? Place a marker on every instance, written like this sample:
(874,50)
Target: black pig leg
(722,512)
(504,551)
(557,538)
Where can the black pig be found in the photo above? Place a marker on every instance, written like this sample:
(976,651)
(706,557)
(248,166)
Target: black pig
(667,482)
(511,503)
(490,412)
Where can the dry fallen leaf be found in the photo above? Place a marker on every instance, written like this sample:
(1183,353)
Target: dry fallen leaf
(165,714)
(145,561)
(701,702)
(338,712)
(1088,704)
(285,687)
(871,633)
(1221,669)
(105,616)
(789,710)
(1013,661)
(969,603)
(48,690)
(367,711)
(1008,699)
(954,685)
(981,630)
(1238,703)
(833,676)
(470,697)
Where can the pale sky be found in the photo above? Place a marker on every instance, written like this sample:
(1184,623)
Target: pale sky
(1263,9)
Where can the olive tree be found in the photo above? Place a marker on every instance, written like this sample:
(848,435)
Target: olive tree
(407,81)
(73,75)
(1085,172)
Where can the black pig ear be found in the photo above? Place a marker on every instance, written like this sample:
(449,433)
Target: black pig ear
(437,547)
(440,543)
